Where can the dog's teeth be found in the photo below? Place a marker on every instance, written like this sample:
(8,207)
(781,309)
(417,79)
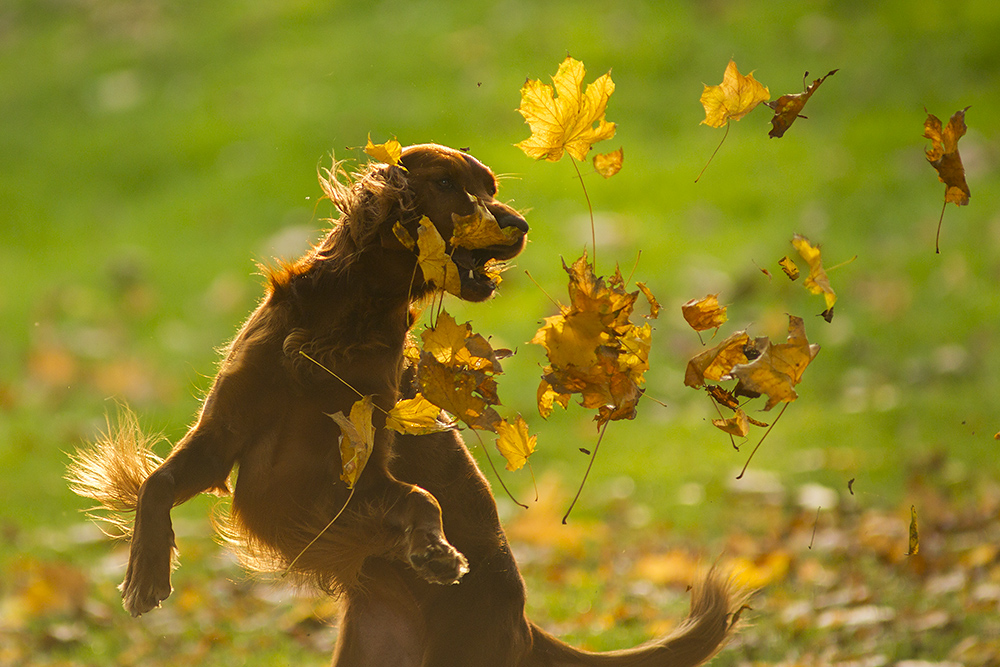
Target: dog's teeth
(471,276)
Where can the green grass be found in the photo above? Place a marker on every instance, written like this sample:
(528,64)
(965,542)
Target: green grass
(150,153)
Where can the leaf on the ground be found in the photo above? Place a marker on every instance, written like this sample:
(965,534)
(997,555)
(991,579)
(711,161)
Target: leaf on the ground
(415,416)
(705,313)
(789,267)
(778,368)
(788,107)
(817,281)
(480,229)
(514,443)
(609,164)
(717,363)
(357,438)
(389,153)
(732,99)
(564,119)
(435,264)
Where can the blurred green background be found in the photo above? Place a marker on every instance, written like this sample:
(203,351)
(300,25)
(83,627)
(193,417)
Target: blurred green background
(151,152)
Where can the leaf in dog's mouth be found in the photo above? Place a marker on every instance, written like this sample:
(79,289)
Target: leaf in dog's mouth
(480,230)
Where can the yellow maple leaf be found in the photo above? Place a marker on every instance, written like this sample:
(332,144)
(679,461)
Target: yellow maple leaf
(732,99)
(435,264)
(446,338)
(717,362)
(357,438)
(415,416)
(705,313)
(480,229)
(737,425)
(778,368)
(609,164)
(565,120)
(817,282)
(943,155)
(390,152)
(514,443)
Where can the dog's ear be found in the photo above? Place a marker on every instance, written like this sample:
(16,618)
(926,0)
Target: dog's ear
(381,197)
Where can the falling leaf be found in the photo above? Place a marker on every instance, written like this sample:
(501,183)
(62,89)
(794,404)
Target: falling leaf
(788,107)
(723,397)
(914,535)
(654,305)
(944,157)
(717,362)
(704,314)
(609,164)
(389,153)
(514,443)
(732,99)
(415,416)
(435,264)
(850,485)
(789,267)
(446,338)
(779,367)
(357,438)
(480,229)
(817,282)
(565,121)
(737,425)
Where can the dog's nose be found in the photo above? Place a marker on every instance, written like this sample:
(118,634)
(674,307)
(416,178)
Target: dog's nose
(511,219)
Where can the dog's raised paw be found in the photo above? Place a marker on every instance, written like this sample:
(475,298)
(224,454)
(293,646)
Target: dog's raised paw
(439,563)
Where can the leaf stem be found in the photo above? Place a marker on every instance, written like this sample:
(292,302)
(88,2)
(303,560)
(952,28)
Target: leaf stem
(937,239)
(590,209)
(346,383)
(320,534)
(745,465)
(497,472)
(604,427)
(728,123)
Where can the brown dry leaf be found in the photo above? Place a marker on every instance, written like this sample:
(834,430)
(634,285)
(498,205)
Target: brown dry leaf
(654,305)
(789,267)
(817,282)
(435,264)
(415,416)
(944,157)
(565,120)
(732,99)
(357,438)
(737,425)
(778,368)
(389,153)
(704,314)
(480,229)
(717,362)
(609,164)
(514,443)
(788,107)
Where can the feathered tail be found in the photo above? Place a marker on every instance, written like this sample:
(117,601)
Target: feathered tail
(716,603)
(112,470)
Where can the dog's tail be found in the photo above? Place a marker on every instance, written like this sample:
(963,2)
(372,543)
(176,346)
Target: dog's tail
(111,471)
(716,604)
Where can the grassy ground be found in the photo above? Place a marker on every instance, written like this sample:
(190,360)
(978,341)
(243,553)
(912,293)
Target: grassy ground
(150,153)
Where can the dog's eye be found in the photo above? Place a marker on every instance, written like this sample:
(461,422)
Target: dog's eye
(446,184)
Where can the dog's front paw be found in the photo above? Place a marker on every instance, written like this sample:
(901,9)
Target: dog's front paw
(438,562)
(147,580)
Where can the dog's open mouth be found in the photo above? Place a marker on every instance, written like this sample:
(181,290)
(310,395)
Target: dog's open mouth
(480,269)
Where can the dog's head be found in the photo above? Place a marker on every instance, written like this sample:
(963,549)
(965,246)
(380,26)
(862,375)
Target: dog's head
(446,184)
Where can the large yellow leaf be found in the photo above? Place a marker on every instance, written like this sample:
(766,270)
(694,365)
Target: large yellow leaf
(357,438)
(717,362)
(446,338)
(480,229)
(415,416)
(514,443)
(565,120)
(778,368)
(390,152)
(435,264)
(732,99)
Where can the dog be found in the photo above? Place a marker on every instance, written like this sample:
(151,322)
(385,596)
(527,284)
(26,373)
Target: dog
(417,554)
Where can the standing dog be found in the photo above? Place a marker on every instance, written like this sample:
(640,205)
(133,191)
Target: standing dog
(419,556)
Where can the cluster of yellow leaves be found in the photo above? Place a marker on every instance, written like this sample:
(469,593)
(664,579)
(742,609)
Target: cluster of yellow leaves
(593,347)
(566,118)
(944,157)
(456,372)
(759,367)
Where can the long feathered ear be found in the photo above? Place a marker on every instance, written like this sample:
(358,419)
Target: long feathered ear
(378,194)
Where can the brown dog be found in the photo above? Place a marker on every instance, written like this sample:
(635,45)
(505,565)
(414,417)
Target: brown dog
(423,514)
